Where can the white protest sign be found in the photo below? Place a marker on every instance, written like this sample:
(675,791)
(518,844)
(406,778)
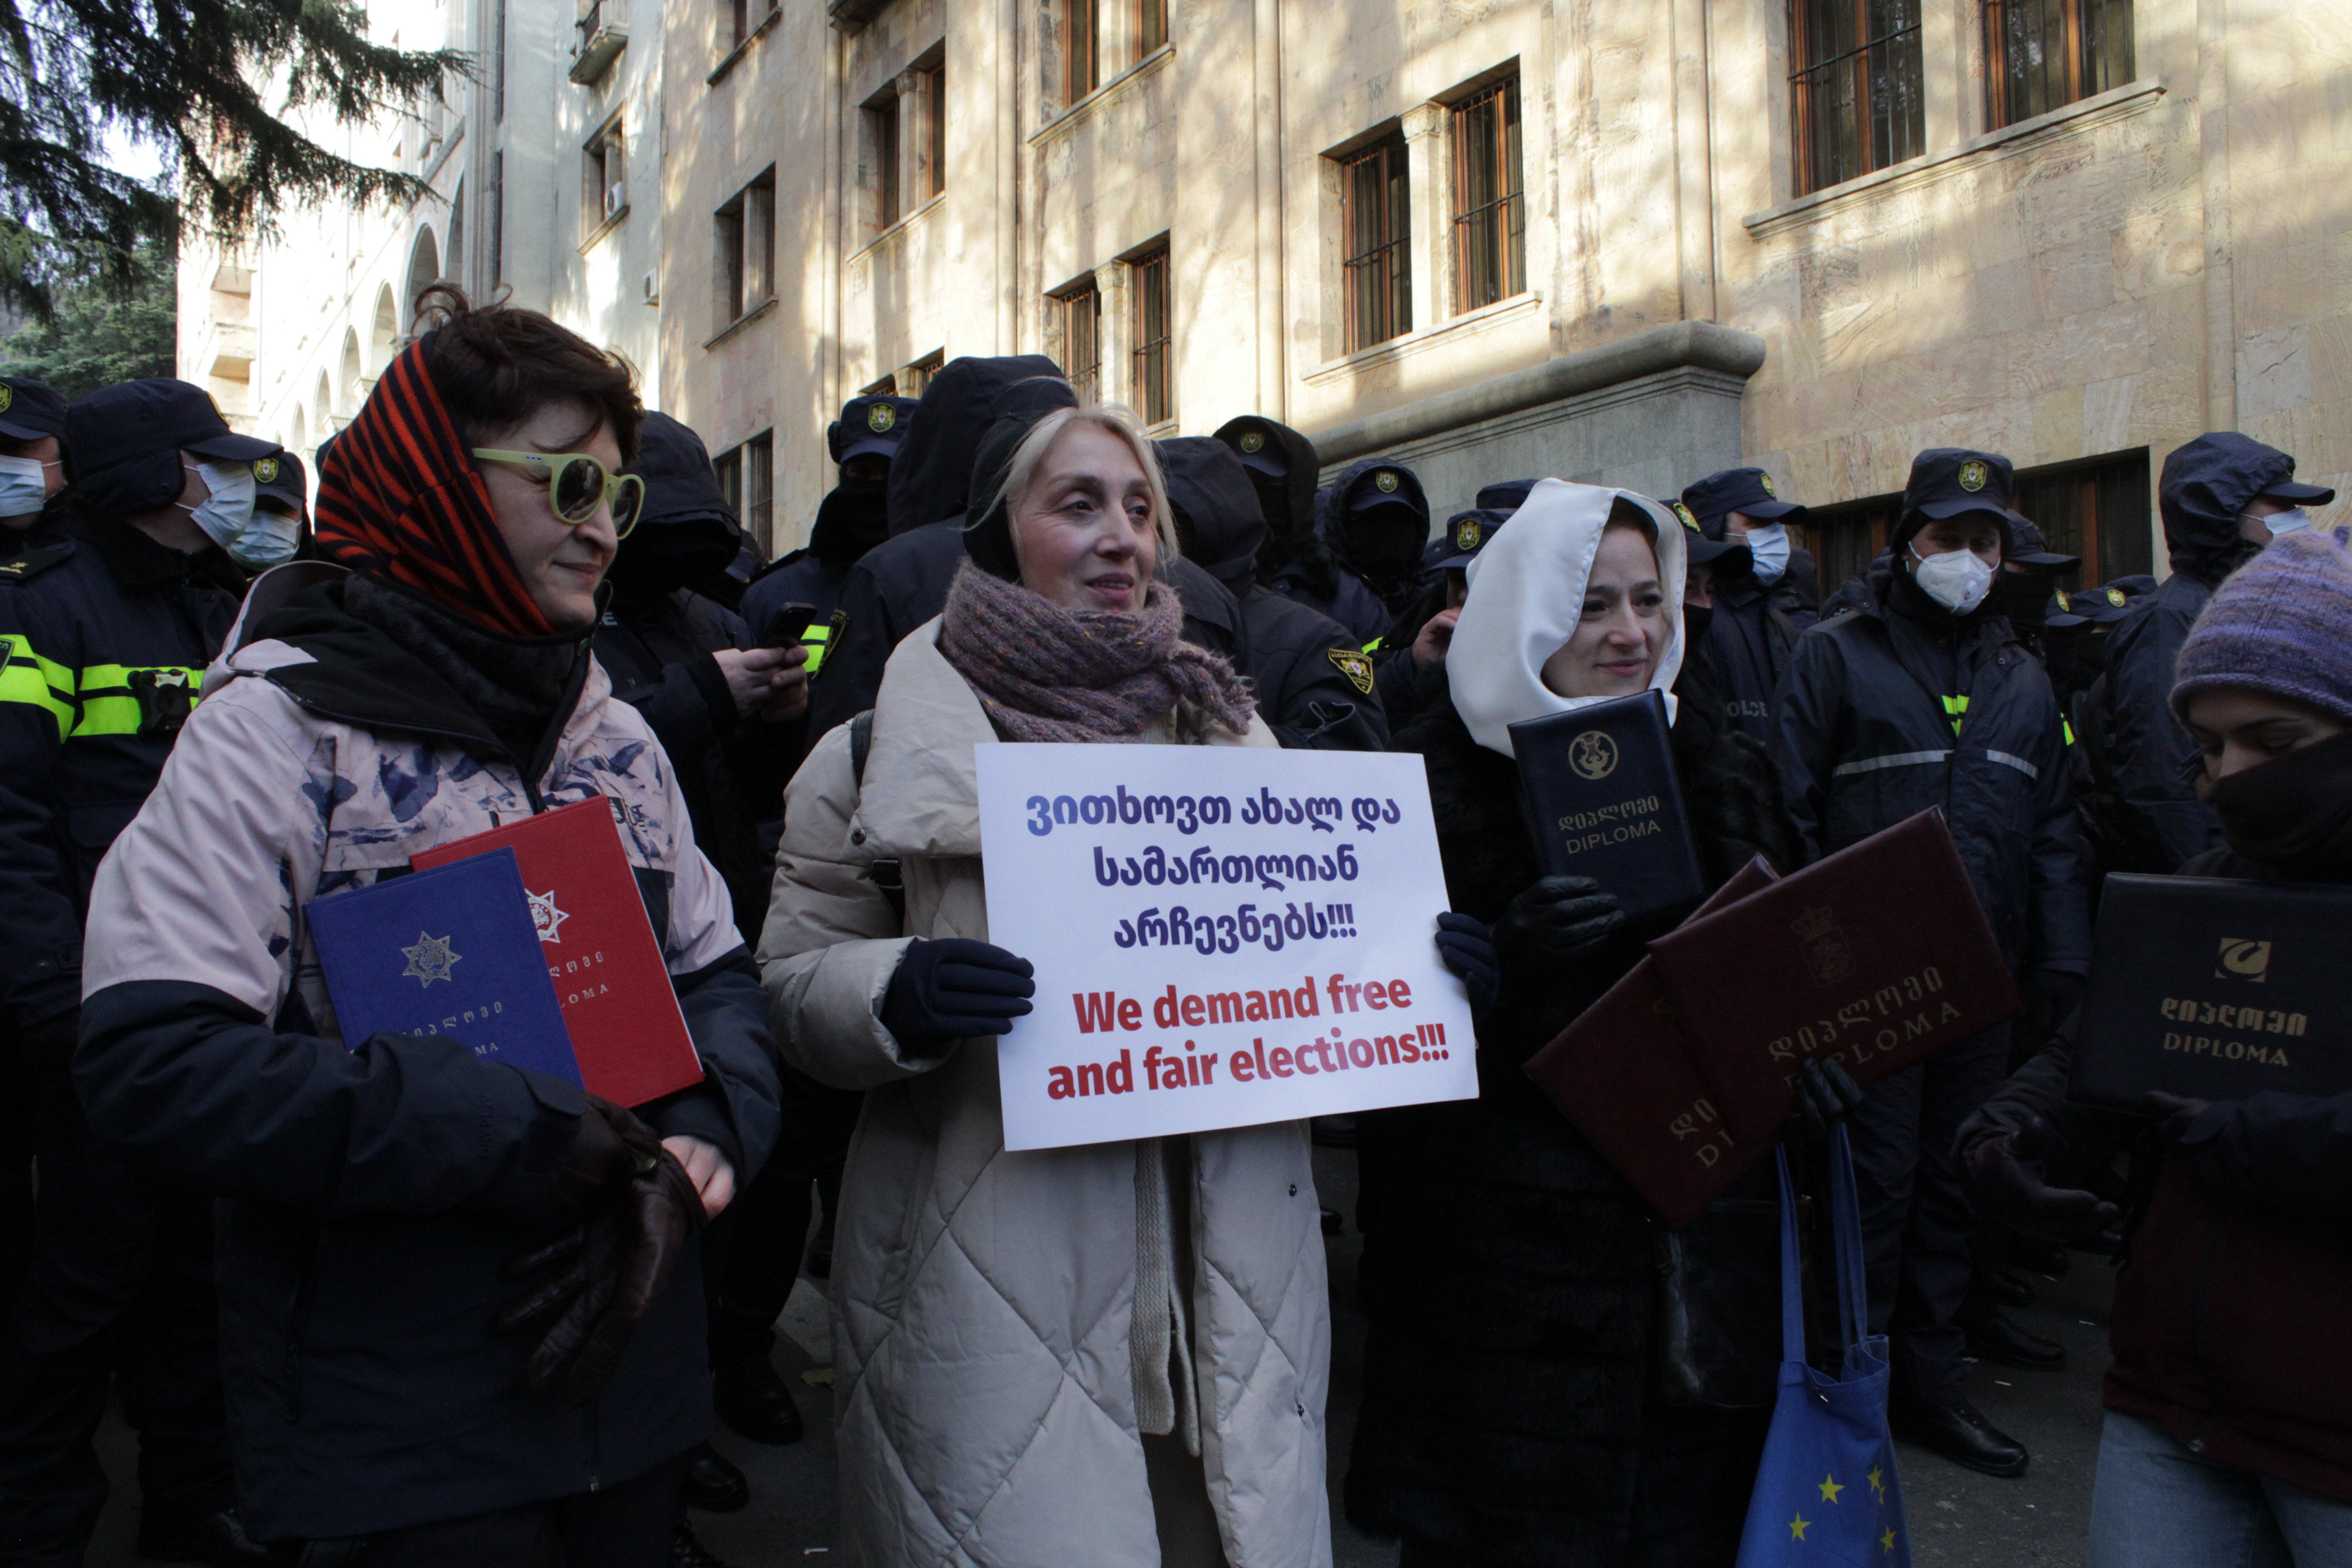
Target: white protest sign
(1223,935)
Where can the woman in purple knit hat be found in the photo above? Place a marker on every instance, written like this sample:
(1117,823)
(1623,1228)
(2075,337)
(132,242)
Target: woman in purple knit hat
(2229,1424)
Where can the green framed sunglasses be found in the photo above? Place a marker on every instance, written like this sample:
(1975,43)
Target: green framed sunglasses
(577,484)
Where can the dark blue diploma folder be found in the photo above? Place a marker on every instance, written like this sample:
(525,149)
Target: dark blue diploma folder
(453,951)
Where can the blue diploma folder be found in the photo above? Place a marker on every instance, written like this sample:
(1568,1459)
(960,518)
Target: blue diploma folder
(453,951)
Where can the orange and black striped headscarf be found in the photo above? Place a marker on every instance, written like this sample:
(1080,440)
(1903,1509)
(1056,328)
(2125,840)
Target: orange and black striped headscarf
(399,497)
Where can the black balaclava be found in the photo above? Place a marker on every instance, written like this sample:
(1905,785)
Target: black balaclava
(1381,545)
(2023,597)
(1287,500)
(1218,520)
(853,517)
(930,477)
(687,534)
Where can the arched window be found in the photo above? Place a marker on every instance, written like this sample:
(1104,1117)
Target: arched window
(351,393)
(457,268)
(383,332)
(301,445)
(423,270)
(322,407)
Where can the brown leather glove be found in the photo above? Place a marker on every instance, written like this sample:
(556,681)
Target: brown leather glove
(611,1265)
(601,1158)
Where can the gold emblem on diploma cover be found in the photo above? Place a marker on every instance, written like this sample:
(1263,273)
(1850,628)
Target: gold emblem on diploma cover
(1593,754)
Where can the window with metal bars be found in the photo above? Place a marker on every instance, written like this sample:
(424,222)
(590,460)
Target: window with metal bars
(1081,311)
(1856,95)
(882,141)
(1150,25)
(915,377)
(935,113)
(1490,223)
(1155,317)
(1376,216)
(2044,54)
(2097,509)
(1081,49)
(747,478)
(746,234)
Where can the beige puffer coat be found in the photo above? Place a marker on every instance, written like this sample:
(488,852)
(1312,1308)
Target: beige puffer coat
(983,1299)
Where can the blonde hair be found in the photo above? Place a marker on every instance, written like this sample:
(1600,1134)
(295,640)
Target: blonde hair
(1118,421)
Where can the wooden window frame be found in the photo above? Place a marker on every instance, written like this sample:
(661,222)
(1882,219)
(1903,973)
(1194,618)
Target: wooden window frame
(882,128)
(1080,309)
(2097,509)
(609,145)
(1151,291)
(935,114)
(1858,68)
(1376,243)
(1150,26)
(2096,53)
(1495,227)
(1081,49)
(745,228)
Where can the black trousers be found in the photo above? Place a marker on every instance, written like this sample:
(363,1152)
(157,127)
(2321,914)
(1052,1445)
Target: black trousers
(623,1526)
(120,1279)
(753,1254)
(1920,1231)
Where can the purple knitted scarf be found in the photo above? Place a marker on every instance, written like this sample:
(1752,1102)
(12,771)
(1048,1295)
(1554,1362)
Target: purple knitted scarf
(1044,673)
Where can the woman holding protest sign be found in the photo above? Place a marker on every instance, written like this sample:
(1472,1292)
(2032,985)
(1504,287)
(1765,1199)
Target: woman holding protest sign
(1111,1353)
(1517,1375)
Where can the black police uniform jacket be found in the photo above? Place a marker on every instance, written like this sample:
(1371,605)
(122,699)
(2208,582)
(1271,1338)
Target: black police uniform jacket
(658,649)
(1751,635)
(1512,1408)
(1895,707)
(106,638)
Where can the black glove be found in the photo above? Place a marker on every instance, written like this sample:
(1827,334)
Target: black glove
(2050,997)
(611,1265)
(951,989)
(1466,948)
(2008,1191)
(1558,917)
(1826,1096)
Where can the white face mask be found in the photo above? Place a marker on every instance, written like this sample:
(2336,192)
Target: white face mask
(2281,523)
(1769,544)
(230,520)
(1958,579)
(24,485)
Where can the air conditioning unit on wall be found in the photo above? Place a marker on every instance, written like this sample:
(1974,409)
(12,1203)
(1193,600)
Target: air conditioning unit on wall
(616,196)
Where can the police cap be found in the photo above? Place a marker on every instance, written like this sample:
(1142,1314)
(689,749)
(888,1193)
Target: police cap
(1952,481)
(140,419)
(2028,548)
(279,478)
(871,426)
(1748,491)
(30,411)
(1508,495)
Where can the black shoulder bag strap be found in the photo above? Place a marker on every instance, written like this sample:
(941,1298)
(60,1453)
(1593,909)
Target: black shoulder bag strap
(884,874)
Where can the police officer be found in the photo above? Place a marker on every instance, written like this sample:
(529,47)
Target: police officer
(1312,682)
(1924,698)
(903,581)
(1282,468)
(1758,613)
(281,489)
(33,467)
(853,517)
(2223,497)
(1375,520)
(1417,642)
(2026,589)
(107,634)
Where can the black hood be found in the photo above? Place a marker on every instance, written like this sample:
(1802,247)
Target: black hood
(2206,484)
(1217,514)
(687,532)
(1332,525)
(931,475)
(988,538)
(1285,503)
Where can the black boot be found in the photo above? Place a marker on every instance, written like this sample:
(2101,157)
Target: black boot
(685,1552)
(756,1402)
(217,1538)
(713,1484)
(1962,1434)
(1999,1339)
(2009,1290)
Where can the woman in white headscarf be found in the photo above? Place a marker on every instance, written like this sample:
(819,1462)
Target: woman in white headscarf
(1515,1410)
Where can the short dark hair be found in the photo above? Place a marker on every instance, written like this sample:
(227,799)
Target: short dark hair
(496,364)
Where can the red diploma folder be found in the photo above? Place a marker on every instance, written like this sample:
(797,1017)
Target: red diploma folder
(600,952)
(1876,957)
(1625,1076)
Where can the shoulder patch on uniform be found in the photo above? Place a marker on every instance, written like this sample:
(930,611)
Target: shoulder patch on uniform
(833,628)
(1356,667)
(29,566)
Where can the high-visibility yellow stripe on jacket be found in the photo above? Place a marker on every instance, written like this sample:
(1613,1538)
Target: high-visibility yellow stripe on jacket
(1956,709)
(28,678)
(815,640)
(109,704)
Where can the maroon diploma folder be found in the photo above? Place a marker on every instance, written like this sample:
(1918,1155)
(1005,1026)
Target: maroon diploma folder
(1876,957)
(1627,1077)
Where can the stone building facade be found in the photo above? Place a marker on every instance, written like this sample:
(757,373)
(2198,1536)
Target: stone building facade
(1626,242)
(544,171)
